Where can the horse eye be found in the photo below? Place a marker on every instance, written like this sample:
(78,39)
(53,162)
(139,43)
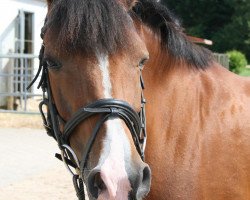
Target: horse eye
(143,62)
(51,64)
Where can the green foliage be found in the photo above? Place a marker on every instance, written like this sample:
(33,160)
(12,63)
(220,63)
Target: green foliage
(245,72)
(237,61)
(225,22)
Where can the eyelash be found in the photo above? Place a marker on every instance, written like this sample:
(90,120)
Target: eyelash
(51,64)
(142,63)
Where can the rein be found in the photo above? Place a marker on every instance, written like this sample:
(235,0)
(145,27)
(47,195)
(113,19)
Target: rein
(106,108)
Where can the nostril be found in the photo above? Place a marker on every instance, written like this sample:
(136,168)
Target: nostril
(95,183)
(98,182)
(146,175)
(145,183)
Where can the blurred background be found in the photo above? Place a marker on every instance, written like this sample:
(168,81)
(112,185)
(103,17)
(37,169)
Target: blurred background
(226,23)
(28,169)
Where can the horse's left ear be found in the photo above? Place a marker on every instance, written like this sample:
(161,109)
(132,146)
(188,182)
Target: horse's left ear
(49,2)
(128,4)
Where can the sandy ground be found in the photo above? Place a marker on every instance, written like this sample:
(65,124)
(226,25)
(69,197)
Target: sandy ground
(20,121)
(28,169)
(51,184)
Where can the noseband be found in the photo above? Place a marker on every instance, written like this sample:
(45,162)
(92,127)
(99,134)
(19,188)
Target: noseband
(106,108)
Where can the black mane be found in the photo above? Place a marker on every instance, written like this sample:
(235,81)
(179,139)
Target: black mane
(163,22)
(88,25)
(100,26)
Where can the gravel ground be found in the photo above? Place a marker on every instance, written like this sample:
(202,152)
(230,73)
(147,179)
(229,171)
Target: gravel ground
(28,169)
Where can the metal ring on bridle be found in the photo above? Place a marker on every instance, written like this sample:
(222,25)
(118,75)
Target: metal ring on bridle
(64,155)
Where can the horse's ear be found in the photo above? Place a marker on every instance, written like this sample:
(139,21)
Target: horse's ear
(128,4)
(49,2)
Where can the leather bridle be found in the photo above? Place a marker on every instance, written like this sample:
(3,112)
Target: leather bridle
(106,108)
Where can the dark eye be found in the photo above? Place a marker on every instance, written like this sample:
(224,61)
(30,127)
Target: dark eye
(52,64)
(143,62)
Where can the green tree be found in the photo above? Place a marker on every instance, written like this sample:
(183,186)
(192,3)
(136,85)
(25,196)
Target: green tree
(225,22)
(237,61)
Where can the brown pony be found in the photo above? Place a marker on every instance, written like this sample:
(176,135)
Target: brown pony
(198,113)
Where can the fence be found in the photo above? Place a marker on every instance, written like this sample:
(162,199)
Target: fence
(222,59)
(16,72)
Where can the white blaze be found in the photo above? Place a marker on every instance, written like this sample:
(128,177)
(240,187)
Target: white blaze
(113,171)
(115,144)
(104,66)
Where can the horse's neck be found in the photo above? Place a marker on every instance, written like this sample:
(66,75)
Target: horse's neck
(173,90)
(172,95)
(197,121)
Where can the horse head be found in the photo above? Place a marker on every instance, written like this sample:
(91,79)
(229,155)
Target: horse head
(93,57)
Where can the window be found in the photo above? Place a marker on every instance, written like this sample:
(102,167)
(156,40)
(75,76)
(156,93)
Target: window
(24,44)
(24,33)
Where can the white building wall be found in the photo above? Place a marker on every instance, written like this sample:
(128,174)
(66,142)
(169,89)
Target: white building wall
(9,10)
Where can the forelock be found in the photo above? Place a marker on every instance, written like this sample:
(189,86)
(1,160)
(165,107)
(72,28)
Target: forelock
(89,25)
